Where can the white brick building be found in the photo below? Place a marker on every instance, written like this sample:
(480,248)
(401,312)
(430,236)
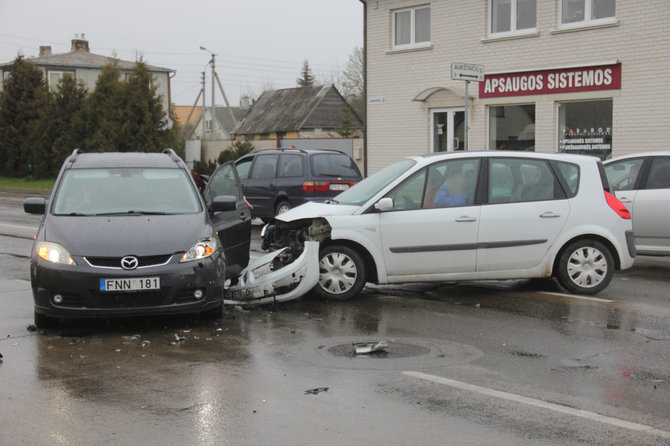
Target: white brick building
(589,76)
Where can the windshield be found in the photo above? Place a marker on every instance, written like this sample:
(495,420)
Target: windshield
(333,165)
(366,189)
(125,191)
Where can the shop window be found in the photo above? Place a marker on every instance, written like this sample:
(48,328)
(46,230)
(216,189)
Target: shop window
(411,27)
(512,127)
(513,16)
(586,127)
(587,12)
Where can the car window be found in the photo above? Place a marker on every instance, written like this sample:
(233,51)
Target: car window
(291,165)
(517,179)
(243,167)
(333,165)
(366,189)
(451,183)
(124,190)
(659,174)
(264,166)
(570,173)
(409,193)
(622,175)
(222,182)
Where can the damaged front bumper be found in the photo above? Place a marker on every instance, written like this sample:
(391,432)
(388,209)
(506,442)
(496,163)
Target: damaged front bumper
(258,285)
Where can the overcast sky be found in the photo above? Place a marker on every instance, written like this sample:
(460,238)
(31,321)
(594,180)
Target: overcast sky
(258,42)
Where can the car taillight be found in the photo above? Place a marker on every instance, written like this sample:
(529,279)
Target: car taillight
(617,206)
(315,186)
(327,186)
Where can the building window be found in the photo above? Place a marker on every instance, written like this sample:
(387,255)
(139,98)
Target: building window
(585,127)
(587,12)
(512,127)
(53,77)
(208,125)
(411,27)
(513,16)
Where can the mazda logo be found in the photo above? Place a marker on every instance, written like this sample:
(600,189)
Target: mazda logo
(129,262)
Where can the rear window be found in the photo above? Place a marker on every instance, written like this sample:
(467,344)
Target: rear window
(333,165)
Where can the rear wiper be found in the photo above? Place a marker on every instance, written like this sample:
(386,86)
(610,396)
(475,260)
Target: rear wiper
(329,175)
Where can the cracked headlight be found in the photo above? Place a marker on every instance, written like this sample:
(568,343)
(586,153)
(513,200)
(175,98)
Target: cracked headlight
(54,253)
(202,249)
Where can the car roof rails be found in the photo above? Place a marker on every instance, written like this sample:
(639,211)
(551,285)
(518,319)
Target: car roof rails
(172,154)
(73,156)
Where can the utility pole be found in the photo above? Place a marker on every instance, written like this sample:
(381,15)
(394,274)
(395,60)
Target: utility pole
(202,114)
(212,115)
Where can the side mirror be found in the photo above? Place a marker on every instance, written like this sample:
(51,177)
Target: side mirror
(385,204)
(223,203)
(35,205)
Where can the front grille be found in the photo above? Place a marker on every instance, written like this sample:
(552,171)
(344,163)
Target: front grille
(135,299)
(115,262)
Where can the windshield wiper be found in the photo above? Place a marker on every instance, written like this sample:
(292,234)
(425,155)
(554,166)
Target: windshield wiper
(133,212)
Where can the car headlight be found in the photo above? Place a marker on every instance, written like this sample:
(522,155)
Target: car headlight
(202,249)
(54,253)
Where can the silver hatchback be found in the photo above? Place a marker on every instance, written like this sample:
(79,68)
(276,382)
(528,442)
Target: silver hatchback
(642,183)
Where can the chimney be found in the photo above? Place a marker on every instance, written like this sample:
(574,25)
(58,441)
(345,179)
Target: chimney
(79,44)
(45,50)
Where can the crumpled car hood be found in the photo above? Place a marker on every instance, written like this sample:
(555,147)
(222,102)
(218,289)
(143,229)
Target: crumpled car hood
(314,209)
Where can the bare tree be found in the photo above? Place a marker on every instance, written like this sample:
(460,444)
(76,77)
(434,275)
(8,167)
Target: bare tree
(352,83)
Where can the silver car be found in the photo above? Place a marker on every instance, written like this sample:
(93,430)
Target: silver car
(642,183)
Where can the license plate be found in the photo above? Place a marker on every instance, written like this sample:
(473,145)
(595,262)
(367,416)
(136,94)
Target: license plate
(132,284)
(339,186)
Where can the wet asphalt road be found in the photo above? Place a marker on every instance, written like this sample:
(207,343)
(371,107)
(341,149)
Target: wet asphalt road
(467,364)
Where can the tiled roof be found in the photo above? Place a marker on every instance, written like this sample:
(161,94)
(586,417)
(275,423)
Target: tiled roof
(84,59)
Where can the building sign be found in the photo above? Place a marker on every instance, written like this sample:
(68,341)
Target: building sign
(563,80)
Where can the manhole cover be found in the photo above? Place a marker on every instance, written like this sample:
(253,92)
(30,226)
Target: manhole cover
(401,353)
(394,350)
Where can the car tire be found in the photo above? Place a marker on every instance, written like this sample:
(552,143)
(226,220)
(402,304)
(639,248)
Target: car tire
(282,206)
(585,267)
(341,273)
(42,321)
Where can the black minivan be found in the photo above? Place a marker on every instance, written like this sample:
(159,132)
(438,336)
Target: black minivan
(274,181)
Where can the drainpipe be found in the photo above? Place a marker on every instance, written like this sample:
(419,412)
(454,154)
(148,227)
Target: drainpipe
(365,88)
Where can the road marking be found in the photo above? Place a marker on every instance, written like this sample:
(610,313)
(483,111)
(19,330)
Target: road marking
(576,296)
(539,403)
(18,226)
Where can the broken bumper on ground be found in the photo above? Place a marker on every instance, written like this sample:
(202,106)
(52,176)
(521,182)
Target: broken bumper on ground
(257,285)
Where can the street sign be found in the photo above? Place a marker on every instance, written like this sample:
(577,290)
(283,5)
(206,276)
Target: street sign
(467,72)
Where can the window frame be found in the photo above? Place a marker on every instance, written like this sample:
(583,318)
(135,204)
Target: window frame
(62,73)
(412,27)
(588,21)
(513,22)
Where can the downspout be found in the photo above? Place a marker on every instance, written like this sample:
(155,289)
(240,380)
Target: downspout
(365,88)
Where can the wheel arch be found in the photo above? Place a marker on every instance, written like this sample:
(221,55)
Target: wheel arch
(596,237)
(368,259)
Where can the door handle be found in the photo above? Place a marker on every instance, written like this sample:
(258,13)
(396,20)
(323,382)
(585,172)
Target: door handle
(549,214)
(465,219)
(625,200)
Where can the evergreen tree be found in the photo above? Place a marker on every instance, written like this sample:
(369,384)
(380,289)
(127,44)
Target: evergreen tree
(65,125)
(347,122)
(234,151)
(144,127)
(103,113)
(23,105)
(307,78)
